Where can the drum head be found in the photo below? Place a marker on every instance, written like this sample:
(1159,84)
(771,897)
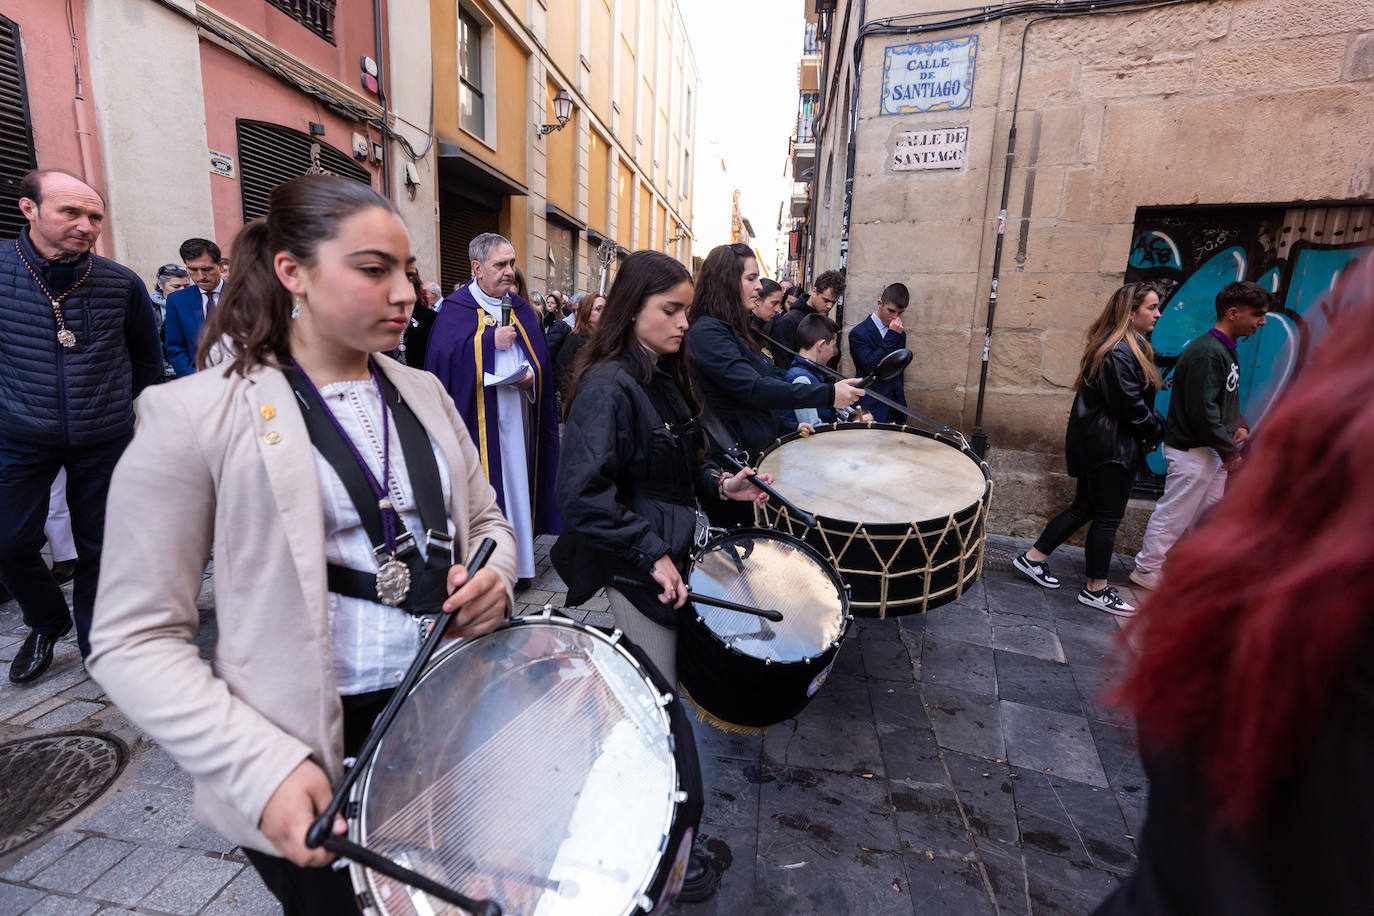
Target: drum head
(532,765)
(876,476)
(768,570)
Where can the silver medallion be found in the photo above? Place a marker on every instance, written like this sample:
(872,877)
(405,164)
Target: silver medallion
(66,338)
(393,582)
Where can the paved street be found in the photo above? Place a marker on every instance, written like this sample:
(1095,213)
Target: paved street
(958,762)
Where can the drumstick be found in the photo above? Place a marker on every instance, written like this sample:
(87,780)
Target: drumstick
(910,414)
(321,832)
(765,613)
(365,857)
(806,518)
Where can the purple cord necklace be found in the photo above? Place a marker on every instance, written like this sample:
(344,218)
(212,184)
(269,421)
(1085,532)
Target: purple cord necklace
(393,576)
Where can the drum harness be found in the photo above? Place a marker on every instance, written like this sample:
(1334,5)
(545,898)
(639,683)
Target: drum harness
(427,581)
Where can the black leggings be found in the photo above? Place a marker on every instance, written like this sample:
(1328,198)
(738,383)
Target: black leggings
(1101,499)
(321,891)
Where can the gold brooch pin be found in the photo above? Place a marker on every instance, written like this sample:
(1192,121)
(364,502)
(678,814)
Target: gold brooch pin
(272,438)
(488,320)
(267,411)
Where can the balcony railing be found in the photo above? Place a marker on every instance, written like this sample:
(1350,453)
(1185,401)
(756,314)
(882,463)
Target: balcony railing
(811,43)
(806,113)
(315,15)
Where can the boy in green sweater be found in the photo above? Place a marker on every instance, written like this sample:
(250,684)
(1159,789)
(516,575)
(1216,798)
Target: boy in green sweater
(1204,430)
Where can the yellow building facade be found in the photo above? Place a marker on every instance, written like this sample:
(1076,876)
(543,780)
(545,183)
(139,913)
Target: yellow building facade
(620,168)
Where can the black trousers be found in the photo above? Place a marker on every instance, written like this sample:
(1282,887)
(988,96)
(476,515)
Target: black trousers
(27,472)
(1100,500)
(321,891)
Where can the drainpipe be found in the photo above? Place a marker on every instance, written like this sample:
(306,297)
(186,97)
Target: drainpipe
(381,97)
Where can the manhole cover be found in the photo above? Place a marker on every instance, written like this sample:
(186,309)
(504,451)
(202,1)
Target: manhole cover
(999,558)
(44,781)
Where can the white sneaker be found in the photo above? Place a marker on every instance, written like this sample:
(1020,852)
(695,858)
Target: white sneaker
(1145,579)
(1106,600)
(1038,572)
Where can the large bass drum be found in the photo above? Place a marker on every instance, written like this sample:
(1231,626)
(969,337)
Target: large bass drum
(902,510)
(538,766)
(747,673)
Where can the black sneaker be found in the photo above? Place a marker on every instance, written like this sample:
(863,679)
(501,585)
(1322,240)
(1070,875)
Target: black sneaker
(1038,572)
(1106,599)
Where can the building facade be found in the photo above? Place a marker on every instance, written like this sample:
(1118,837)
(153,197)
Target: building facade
(1193,144)
(619,169)
(222,101)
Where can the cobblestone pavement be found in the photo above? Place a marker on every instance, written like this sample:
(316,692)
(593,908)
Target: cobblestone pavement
(957,762)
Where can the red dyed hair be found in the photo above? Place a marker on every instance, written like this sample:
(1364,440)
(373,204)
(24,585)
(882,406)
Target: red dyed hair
(1263,608)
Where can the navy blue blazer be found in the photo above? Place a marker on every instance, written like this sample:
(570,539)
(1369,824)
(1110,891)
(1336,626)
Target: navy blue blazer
(185,315)
(867,345)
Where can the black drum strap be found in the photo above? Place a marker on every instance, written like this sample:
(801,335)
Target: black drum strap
(429,573)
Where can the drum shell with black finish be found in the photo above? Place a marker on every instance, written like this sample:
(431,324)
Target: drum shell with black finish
(739,689)
(895,568)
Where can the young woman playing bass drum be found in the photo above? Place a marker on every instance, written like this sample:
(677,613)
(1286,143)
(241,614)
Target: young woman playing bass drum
(311,640)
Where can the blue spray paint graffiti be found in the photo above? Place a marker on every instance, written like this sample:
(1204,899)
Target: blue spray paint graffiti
(1193,252)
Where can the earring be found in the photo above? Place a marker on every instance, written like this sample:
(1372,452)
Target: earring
(296,306)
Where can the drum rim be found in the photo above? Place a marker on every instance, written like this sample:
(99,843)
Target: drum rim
(889,528)
(362,879)
(827,565)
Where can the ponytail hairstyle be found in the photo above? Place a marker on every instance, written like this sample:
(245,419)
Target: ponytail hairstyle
(1114,326)
(252,324)
(641,275)
(717,290)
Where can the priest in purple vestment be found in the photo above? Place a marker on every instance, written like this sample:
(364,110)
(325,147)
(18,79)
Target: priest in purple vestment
(487,350)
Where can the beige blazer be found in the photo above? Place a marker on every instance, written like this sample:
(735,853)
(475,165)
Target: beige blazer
(228,463)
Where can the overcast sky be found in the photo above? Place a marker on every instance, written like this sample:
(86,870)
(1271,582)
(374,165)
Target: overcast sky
(746,53)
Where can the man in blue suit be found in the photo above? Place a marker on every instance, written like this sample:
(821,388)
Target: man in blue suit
(188,308)
(873,338)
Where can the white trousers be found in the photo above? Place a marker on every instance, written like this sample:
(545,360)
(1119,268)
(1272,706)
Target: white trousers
(58,528)
(657,641)
(1193,484)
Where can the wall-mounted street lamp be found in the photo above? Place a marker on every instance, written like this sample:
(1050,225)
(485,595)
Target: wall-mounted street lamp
(562,109)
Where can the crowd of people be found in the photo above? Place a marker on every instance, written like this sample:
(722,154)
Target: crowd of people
(348,486)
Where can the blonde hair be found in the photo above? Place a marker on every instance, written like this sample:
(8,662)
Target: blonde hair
(1114,326)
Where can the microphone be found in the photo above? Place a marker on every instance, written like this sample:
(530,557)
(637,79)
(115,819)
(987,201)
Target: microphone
(505,310)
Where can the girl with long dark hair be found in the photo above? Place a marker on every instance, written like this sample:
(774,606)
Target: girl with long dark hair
(1112,426)
(589,309)
(742,389)
(631,474)
(257,459)
(1253,686)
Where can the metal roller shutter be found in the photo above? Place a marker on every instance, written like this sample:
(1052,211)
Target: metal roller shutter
(270,154)
(460,221)
(16,131)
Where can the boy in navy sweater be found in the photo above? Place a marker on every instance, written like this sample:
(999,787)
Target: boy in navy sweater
(816,339)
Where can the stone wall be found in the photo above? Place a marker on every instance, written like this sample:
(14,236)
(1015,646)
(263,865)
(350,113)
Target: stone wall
(1229,102)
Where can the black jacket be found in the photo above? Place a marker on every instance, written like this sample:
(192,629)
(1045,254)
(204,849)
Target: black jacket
(628,483)
(564,361)
(415,340)
(1113,419)
(555,336)
(742,388)
(783,329)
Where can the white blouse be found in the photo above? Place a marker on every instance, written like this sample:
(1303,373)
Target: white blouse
(373,643)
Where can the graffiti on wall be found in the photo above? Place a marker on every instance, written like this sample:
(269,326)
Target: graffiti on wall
(1300,254)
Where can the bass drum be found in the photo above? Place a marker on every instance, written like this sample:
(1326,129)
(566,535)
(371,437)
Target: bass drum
(903,511)
(537,766)
(747,673)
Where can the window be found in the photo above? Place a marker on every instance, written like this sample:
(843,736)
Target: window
(270,154)
(16,134)
(686,174)
(315,15)
(472,114)
(687,115)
